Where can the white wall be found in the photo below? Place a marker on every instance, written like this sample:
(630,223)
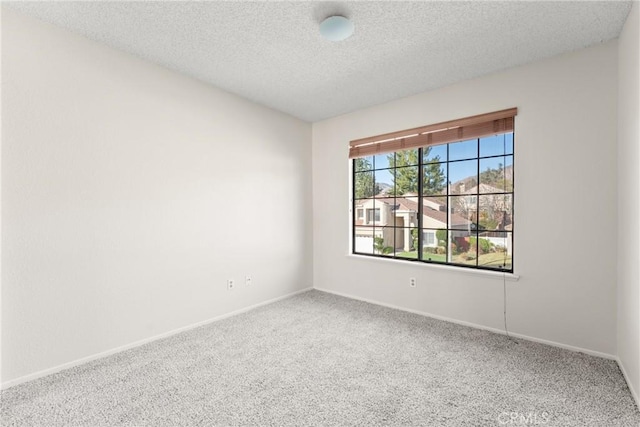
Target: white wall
(629,200)
(565,178)
(0,202)
(130,194)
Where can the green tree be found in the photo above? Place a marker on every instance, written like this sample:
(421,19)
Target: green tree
(365,185)
(434,180)
(406,178)
(496,178)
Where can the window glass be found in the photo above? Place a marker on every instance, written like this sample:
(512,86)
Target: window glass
(434,179)
(449,204)
(463,177)
(435,154)
(463,150)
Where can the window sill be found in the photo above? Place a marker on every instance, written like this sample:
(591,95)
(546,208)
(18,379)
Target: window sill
(469,271)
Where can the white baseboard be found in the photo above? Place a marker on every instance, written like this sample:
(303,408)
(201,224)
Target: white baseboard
(634,393)
(475,325)
(55,369)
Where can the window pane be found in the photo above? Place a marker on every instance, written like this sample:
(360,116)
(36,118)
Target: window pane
(405,211)
(495,250)
(463,247)
(406,180)
(383,241)
(435,153)
(463,150)
(363,164)
(383,161)
(508,173)
(496,212)
(434,245)
(434,180)
(364,240)
(463,210)
(509,141)
(493,175)
(406,243)
(364,185)
(434,212)
(495,145)
(407,158)
(463,177)
(384,182)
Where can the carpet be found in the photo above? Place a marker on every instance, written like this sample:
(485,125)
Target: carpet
(317,359)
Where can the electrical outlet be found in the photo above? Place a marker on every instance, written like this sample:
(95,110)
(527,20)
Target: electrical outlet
(412,282)
(247,280)
(230,284)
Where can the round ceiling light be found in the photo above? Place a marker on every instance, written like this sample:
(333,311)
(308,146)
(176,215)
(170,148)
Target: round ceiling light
(336,28)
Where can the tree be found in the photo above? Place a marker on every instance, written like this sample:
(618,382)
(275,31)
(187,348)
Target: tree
(497,178)
(496,209)
(365,185)
(434,180)
(406,178)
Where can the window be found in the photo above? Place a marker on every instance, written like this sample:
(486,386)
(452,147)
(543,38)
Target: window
(373,215)
(446,190)
(360,214)
(429,238)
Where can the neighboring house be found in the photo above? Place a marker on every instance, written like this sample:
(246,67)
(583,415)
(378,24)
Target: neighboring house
(394,218)
(402,212)
(495,208)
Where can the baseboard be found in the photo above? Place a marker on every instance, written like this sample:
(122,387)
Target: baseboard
(78,362)
(475,325)
(634,393)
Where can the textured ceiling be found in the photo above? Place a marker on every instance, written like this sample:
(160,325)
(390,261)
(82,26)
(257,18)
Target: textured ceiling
(272,52)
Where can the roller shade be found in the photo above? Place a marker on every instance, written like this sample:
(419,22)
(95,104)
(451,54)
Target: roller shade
(440,133)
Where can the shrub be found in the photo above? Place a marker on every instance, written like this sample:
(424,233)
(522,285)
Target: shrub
(484,245)
(378,244)
(462,244)
(414,238)
(441,235)
(470,255)
(429,250)
(441,250)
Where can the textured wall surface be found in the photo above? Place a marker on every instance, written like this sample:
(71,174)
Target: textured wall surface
(629,200)
(565,203)
(272,52)
(130,194)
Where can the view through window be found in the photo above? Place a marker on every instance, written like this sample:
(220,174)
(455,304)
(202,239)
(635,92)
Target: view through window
(448,204)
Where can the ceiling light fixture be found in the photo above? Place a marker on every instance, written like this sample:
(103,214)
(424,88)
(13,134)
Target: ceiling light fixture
(336,28)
